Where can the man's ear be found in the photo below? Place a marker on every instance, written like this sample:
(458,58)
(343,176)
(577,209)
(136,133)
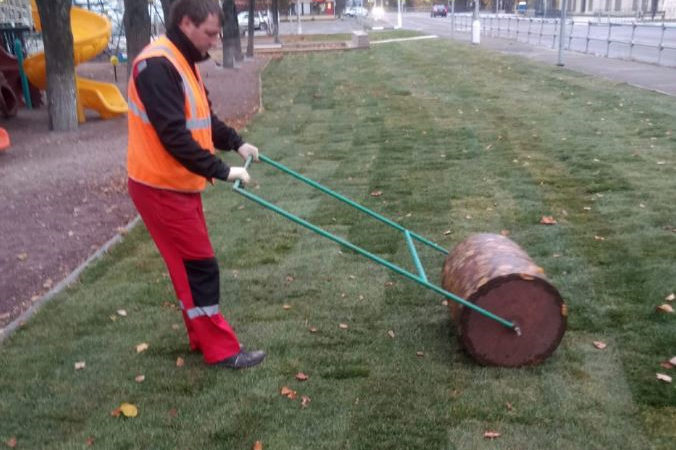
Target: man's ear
(185,24)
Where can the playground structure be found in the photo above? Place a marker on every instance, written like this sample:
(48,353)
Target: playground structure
(91,33)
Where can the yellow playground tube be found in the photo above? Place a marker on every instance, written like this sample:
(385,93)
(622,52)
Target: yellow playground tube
(91,33)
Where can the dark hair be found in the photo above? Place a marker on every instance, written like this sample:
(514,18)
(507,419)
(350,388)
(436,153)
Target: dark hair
(196,10)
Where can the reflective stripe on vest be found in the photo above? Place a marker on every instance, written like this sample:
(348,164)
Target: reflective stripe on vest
(148,162)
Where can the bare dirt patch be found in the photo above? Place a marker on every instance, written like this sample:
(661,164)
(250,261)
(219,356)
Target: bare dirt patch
(63,195)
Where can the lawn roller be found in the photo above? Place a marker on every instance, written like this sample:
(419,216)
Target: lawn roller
(506,311)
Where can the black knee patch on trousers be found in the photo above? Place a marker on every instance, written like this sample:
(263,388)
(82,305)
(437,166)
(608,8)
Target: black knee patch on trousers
(204,281)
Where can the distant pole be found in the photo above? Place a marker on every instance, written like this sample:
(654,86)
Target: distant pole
(298,5)
(562,32)
(452,17)
(476,24)
(398,13)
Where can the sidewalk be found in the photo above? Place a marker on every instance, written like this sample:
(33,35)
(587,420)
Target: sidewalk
(643,75)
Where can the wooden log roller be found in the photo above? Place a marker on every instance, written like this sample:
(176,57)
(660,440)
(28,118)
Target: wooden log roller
(494,273)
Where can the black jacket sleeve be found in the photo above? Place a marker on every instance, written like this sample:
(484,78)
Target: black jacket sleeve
(160,88)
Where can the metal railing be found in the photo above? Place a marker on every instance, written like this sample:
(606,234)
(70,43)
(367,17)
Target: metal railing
(645,42)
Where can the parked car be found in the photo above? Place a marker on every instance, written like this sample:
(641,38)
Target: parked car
(521,8)
(260,21)
(355,11)
(439,11)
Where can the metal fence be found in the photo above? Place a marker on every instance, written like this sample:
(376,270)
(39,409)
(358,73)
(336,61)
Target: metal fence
(645,42)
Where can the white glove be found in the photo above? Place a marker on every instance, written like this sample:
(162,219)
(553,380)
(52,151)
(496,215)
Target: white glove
(239,173)
(245,150)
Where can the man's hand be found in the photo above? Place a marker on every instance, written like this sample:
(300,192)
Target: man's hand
(239,173)
(245,150)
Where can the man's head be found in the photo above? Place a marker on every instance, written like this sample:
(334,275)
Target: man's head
(199,20)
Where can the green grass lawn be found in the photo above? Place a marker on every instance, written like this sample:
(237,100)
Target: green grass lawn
(457,139)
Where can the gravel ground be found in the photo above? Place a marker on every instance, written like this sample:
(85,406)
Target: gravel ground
(63,195)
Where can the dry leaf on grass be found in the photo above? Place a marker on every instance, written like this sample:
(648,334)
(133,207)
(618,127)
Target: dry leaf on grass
(663,377)
(305,401)
(11,442)
(666,365)
(548,220)
(258,445)
(286,306)
(180,362)
(173,412)
(376,193)
(128,410)
(509,406)
(140,378)
(504,232)
(89,441)
(390,333)
(22,256)
(313,329)
(420,354)
(600,345)
(670,297)
(122,312)
(447,232)
(288,392)
(343,326)
(491,434)
(142,347)
(665,308)
(672,361)
(80,365)
(300,376)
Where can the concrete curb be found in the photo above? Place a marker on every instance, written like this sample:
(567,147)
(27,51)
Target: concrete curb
(63,284)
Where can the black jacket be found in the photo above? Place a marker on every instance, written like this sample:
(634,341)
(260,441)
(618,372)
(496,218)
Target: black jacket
(160,88)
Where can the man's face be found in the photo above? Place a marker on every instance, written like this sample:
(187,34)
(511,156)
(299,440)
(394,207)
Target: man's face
(204,35)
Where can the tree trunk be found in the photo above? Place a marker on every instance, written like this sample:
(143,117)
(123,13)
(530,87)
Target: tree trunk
(136,28)
(231,40)
(275,19)
(250,37)
(166,6)
(60,64)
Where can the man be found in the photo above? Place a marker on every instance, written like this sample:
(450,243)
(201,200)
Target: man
(172,136)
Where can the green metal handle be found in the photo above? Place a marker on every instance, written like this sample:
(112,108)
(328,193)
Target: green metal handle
(420,279)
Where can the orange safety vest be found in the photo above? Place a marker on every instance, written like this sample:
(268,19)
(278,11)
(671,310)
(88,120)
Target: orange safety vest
(148,162)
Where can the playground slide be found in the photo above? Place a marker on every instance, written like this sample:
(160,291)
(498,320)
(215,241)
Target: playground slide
(91,33)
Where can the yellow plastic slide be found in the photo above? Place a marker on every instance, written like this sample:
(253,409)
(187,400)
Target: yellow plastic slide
(91,33)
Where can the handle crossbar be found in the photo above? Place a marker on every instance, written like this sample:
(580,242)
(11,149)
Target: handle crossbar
(421,278)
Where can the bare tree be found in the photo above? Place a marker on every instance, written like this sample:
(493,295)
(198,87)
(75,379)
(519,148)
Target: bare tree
(136,27)
(232,45)
(250,37)
(60,65)
(275,19)
(166,6)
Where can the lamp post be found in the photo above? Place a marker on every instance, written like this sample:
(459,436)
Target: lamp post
(476,24)
(398,13)
(562,32)
(298,5)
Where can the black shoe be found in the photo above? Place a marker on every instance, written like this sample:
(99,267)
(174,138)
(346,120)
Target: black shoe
(243,359)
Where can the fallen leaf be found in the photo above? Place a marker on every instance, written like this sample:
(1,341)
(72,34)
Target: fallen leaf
(599,238)
(665,308)
(142,347)
(343,326)
(180,362)
(420,354)
(11,442)
(509,406)
(600,345)
(305,401)
(672,361)
(504,232)
(89,441)
(587,208)
(286,306)
(258,445)
(444,303)
(447,232)
(663,377)
(389,283)
(129,410)
(122,312)
(22,256)
(548,220)
(140,378)
(116,412)
(175,326)
(666,365)
(300,376)
(47,284)
(313,329)
(391,334)
(80,365)
(289,278)
(173,412)
(288,392)
(376,193)
(670,297)
(491,434)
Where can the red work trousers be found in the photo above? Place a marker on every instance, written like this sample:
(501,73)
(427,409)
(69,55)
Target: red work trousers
(175,220)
